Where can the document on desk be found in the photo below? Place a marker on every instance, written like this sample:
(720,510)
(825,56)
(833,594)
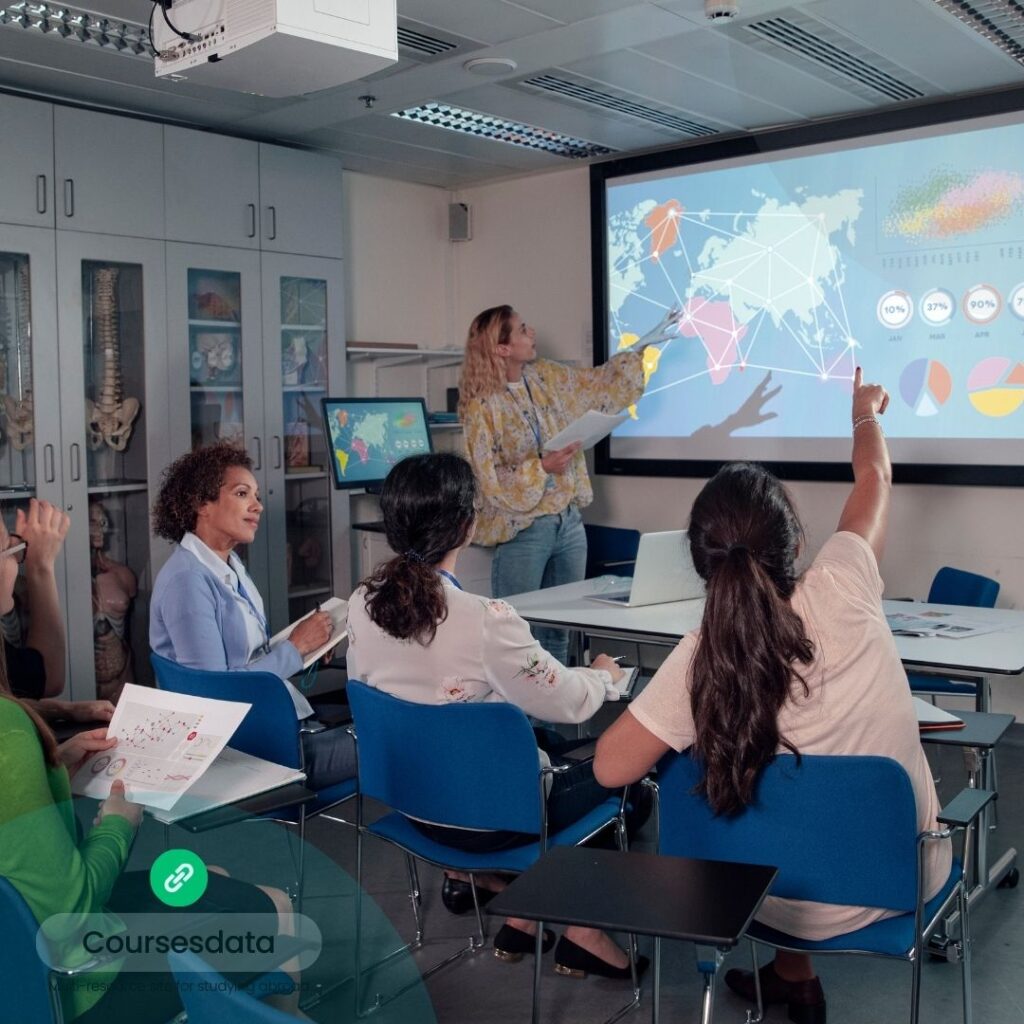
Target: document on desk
(590,428)
(233,777)
(630,674)
(165,742)
(950,625)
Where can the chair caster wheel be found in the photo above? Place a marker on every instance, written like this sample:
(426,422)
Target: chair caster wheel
(1010,879)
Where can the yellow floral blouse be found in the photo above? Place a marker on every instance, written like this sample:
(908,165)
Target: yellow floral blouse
(502,447)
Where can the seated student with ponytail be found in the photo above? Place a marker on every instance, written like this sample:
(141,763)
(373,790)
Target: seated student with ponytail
(416,634)
(782,664)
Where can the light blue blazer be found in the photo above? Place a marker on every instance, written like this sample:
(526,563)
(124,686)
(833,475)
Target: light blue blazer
(194,620)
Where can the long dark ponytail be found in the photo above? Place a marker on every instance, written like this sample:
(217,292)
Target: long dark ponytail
(744,536)
(428,503)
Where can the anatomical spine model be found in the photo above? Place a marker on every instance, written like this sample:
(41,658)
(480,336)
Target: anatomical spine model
(18,407)
(109,419)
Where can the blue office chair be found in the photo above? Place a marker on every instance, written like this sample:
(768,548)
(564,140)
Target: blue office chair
(470,765)
(29,985)
(610,549)
(208,998)
(841,830)
(954,586)
(269,730)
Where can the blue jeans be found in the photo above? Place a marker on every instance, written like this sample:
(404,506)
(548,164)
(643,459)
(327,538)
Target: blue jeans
(552,550)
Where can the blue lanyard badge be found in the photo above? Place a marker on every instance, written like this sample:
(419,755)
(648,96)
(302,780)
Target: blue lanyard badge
(451,579)
(261,619)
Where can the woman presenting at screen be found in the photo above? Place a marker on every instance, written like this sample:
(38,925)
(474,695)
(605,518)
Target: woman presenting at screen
(510,404)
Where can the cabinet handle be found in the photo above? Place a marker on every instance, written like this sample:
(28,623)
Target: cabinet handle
(69,197)
(273,222)
(40,193)
(251,207)
(76,463)
(259,453)
(49,474)
(277,451)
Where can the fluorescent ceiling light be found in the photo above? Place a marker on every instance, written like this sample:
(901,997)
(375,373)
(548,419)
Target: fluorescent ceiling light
(75,24)
(498,129)
(1001,22)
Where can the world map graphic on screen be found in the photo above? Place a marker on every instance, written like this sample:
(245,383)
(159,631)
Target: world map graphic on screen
(906,258)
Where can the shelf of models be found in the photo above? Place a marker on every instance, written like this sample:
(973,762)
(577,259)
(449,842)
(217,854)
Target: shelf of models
(109,487)
(121,584)
(215,355)
(308,529)
(115,374)
(17,414)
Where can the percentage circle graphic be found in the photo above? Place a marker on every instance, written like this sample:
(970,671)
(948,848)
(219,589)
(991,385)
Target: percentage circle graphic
(937,307)
(895,309)
(982,304)
(1017,301)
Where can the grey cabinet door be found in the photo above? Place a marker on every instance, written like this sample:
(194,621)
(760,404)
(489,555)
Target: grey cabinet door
(304,361)
(114,431)
(211,188)
(26,162)
(300,197)
(109,174)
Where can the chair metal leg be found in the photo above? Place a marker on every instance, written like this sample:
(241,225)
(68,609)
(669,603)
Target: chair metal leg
(302,857)
(709,959)
(965,953)
(751,1019)
(414,899)
(537,962)
(656,982)
(915,984)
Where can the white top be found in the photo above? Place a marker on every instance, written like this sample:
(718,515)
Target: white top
(858,703)
(483,651)
(248,598)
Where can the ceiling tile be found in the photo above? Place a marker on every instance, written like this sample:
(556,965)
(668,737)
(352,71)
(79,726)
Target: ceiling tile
(491,21)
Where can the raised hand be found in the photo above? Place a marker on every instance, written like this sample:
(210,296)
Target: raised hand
(44,527)
(868,399)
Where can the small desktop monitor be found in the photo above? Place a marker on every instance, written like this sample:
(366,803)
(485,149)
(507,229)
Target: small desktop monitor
(367,436)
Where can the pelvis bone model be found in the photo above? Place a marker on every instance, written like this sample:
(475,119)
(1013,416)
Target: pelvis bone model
(110,418)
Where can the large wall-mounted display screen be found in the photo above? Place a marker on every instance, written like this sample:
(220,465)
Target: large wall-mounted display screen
(785,261)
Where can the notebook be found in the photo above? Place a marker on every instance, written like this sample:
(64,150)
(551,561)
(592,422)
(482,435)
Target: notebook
(929,717)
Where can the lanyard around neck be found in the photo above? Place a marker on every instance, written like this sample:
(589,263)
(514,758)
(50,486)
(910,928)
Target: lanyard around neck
(533,422)
(261,619)
(448,576)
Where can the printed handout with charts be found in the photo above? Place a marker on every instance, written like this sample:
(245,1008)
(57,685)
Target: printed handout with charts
(165,741)
(935,623)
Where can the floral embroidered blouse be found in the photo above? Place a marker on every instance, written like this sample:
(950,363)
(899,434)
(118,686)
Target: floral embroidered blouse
(483,651)
(501,441)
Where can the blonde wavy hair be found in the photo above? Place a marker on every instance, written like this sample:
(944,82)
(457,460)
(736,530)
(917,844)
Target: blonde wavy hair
(483,370)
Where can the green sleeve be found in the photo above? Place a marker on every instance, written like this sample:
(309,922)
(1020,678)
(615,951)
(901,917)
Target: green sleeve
(38,851)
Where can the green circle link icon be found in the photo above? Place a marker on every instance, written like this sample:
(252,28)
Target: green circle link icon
(178,878)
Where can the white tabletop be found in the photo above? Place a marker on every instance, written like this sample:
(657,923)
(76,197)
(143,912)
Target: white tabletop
(570,605)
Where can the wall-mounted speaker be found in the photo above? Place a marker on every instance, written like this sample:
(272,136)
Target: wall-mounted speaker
(460,222)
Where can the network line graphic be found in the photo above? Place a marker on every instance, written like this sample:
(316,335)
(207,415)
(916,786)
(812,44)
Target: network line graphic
(756,290)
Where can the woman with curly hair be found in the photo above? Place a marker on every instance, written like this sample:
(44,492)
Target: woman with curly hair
(510,404)
(206,612)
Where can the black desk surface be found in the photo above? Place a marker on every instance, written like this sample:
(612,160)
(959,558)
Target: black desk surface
(705,901)
(263,803)
(981,729)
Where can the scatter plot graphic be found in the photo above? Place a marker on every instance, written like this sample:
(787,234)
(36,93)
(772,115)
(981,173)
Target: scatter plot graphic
(996,386)
(949,203)
(925,385)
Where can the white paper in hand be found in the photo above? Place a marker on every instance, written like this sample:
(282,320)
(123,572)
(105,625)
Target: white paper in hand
(590,428)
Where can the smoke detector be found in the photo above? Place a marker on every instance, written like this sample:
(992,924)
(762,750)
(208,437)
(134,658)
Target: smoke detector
(721,10)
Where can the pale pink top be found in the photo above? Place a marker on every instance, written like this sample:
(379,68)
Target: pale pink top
(859,703)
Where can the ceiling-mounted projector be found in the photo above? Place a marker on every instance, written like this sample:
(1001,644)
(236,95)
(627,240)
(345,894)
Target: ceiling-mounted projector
(276,47)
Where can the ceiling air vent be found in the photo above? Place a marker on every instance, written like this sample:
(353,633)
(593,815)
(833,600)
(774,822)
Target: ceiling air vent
(1001,22)
(424,43)
(421,43)
(619,103)
(832,51)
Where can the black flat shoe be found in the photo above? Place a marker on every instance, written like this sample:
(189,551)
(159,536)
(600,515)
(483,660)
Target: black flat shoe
(805,1000)
(510,943)
(457,896)
(577,962)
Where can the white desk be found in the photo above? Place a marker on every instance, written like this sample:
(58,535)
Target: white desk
(973,658)
(570,606)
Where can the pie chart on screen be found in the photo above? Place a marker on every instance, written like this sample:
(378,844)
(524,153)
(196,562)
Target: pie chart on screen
(925,386)
(996,386)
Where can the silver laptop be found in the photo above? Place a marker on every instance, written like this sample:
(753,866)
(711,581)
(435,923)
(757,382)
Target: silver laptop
(664,572)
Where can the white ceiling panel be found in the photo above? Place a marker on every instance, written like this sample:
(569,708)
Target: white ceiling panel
(955,59)
(493,21)
(604,62)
